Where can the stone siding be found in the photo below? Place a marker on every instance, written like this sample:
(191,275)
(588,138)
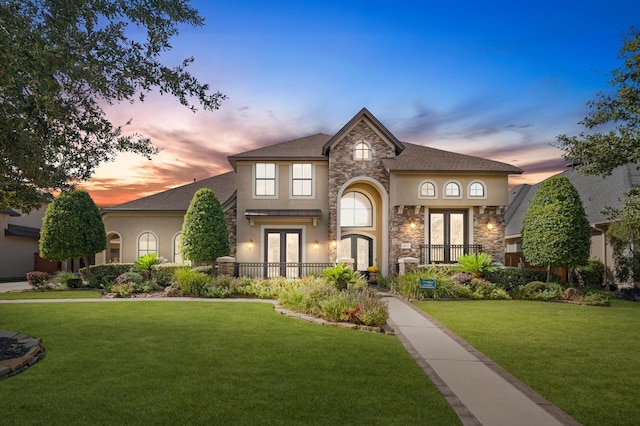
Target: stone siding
(492,240)
(342,167)
(400,232)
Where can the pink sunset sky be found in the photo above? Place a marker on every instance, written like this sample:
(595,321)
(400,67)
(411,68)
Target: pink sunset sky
(498,80)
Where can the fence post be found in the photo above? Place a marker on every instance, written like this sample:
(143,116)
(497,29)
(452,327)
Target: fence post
(226,266)
(408,264)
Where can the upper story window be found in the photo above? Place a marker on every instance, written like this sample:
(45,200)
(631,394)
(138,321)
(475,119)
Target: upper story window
(452,190)
(302,180)
(427,190)
(356,210)
(362,150)
(476,190)
(265,179)
(147,244)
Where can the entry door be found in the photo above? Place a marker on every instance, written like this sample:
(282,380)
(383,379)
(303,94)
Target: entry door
(359,248)
(447,235)
(283,247)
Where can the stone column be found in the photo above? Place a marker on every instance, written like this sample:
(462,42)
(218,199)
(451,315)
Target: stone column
(408,264)
(346,261)
(226,265)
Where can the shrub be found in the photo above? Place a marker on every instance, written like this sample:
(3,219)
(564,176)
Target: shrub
(343,276)
(538,290)
(511,278)
(144,264)
(462,278)
(596,299)
(38,280)
(61,280)
(206,269)
(191,282)
(75,282)
(486,290)
(476,264)
(164,273)
(129,277)
(121,290)
(99,272)
(591,274)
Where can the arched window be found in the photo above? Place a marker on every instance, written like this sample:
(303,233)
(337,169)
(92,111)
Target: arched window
(177,256)
(452,189)
(427,190)
(476,189)
(362,150)
(356,210)
(147,243)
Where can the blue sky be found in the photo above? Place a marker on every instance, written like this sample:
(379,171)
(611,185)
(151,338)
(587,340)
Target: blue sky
(495,79)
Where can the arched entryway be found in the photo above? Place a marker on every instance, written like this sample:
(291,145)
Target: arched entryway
(362,219)
(113,253)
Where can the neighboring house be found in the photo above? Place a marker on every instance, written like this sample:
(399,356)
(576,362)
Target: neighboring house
(359,194)
(595,192)
(19,243)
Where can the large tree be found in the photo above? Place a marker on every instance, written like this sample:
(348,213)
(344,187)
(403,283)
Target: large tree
(556,231)
(61,63)
(616,114)
(205,235)
(72,227)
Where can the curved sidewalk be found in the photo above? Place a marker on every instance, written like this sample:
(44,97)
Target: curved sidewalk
(481,392)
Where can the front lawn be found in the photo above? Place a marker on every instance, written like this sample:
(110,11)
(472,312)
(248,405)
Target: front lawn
(53,294)
(159,362)
(583,359)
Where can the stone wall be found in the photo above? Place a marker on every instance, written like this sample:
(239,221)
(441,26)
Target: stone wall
(400,231)
(232,219)
(342,168)
(492,240)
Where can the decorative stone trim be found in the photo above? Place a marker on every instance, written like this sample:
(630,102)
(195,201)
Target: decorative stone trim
(11,367)
(385,329)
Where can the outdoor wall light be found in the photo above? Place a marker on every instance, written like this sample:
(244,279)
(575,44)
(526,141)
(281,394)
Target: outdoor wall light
(316,245)
(412,225)
(250,243)
(334,244)
(489,226)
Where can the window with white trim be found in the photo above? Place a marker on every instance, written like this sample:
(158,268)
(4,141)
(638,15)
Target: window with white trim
(265,179)
(427,190)
(452,190)
(356,210)
(476,189)
(362,150)
(302,180)
(147,244)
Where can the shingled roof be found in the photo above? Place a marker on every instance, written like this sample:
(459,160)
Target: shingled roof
(595,192)
(306,148)
(423,158)
(178,199)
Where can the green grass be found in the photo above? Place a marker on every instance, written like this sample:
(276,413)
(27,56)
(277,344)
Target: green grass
(583,359)
(58,294)
(209,363)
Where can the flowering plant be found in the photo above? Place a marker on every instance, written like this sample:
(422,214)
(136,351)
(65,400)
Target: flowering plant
(372,268)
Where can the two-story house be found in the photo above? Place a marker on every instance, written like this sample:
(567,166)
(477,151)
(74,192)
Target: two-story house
(359,194)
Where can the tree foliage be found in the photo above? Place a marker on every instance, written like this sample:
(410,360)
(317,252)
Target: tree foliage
(616,113)
(204,236)
(61,63)
(556,231)
(72,227)
(624,236)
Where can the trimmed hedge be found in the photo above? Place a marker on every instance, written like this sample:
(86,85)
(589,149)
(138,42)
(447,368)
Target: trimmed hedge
(510,278)
(97,273)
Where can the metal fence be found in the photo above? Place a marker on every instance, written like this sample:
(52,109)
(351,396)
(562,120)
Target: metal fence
(446,253)
(279,269)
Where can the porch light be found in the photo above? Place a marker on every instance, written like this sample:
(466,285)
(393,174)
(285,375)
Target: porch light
(250,244)
(334,244)
(316,245)
(412,225)
(489,226)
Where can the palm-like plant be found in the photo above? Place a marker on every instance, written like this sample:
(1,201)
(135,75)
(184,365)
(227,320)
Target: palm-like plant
(144,264)
(476,264)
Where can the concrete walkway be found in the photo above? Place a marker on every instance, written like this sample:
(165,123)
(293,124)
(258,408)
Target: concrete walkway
(480,392)
(5,287)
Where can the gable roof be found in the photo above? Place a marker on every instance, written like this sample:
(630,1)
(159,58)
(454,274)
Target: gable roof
(363,114)
(178,199)
(423,158)
(306,148)
(595,192)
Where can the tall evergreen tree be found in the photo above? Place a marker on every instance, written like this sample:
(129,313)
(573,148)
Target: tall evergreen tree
(72,227)
(556,230)
(204,236)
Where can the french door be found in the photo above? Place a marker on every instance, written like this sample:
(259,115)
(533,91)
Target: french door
(359,248)
(283,252)
(448,235)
